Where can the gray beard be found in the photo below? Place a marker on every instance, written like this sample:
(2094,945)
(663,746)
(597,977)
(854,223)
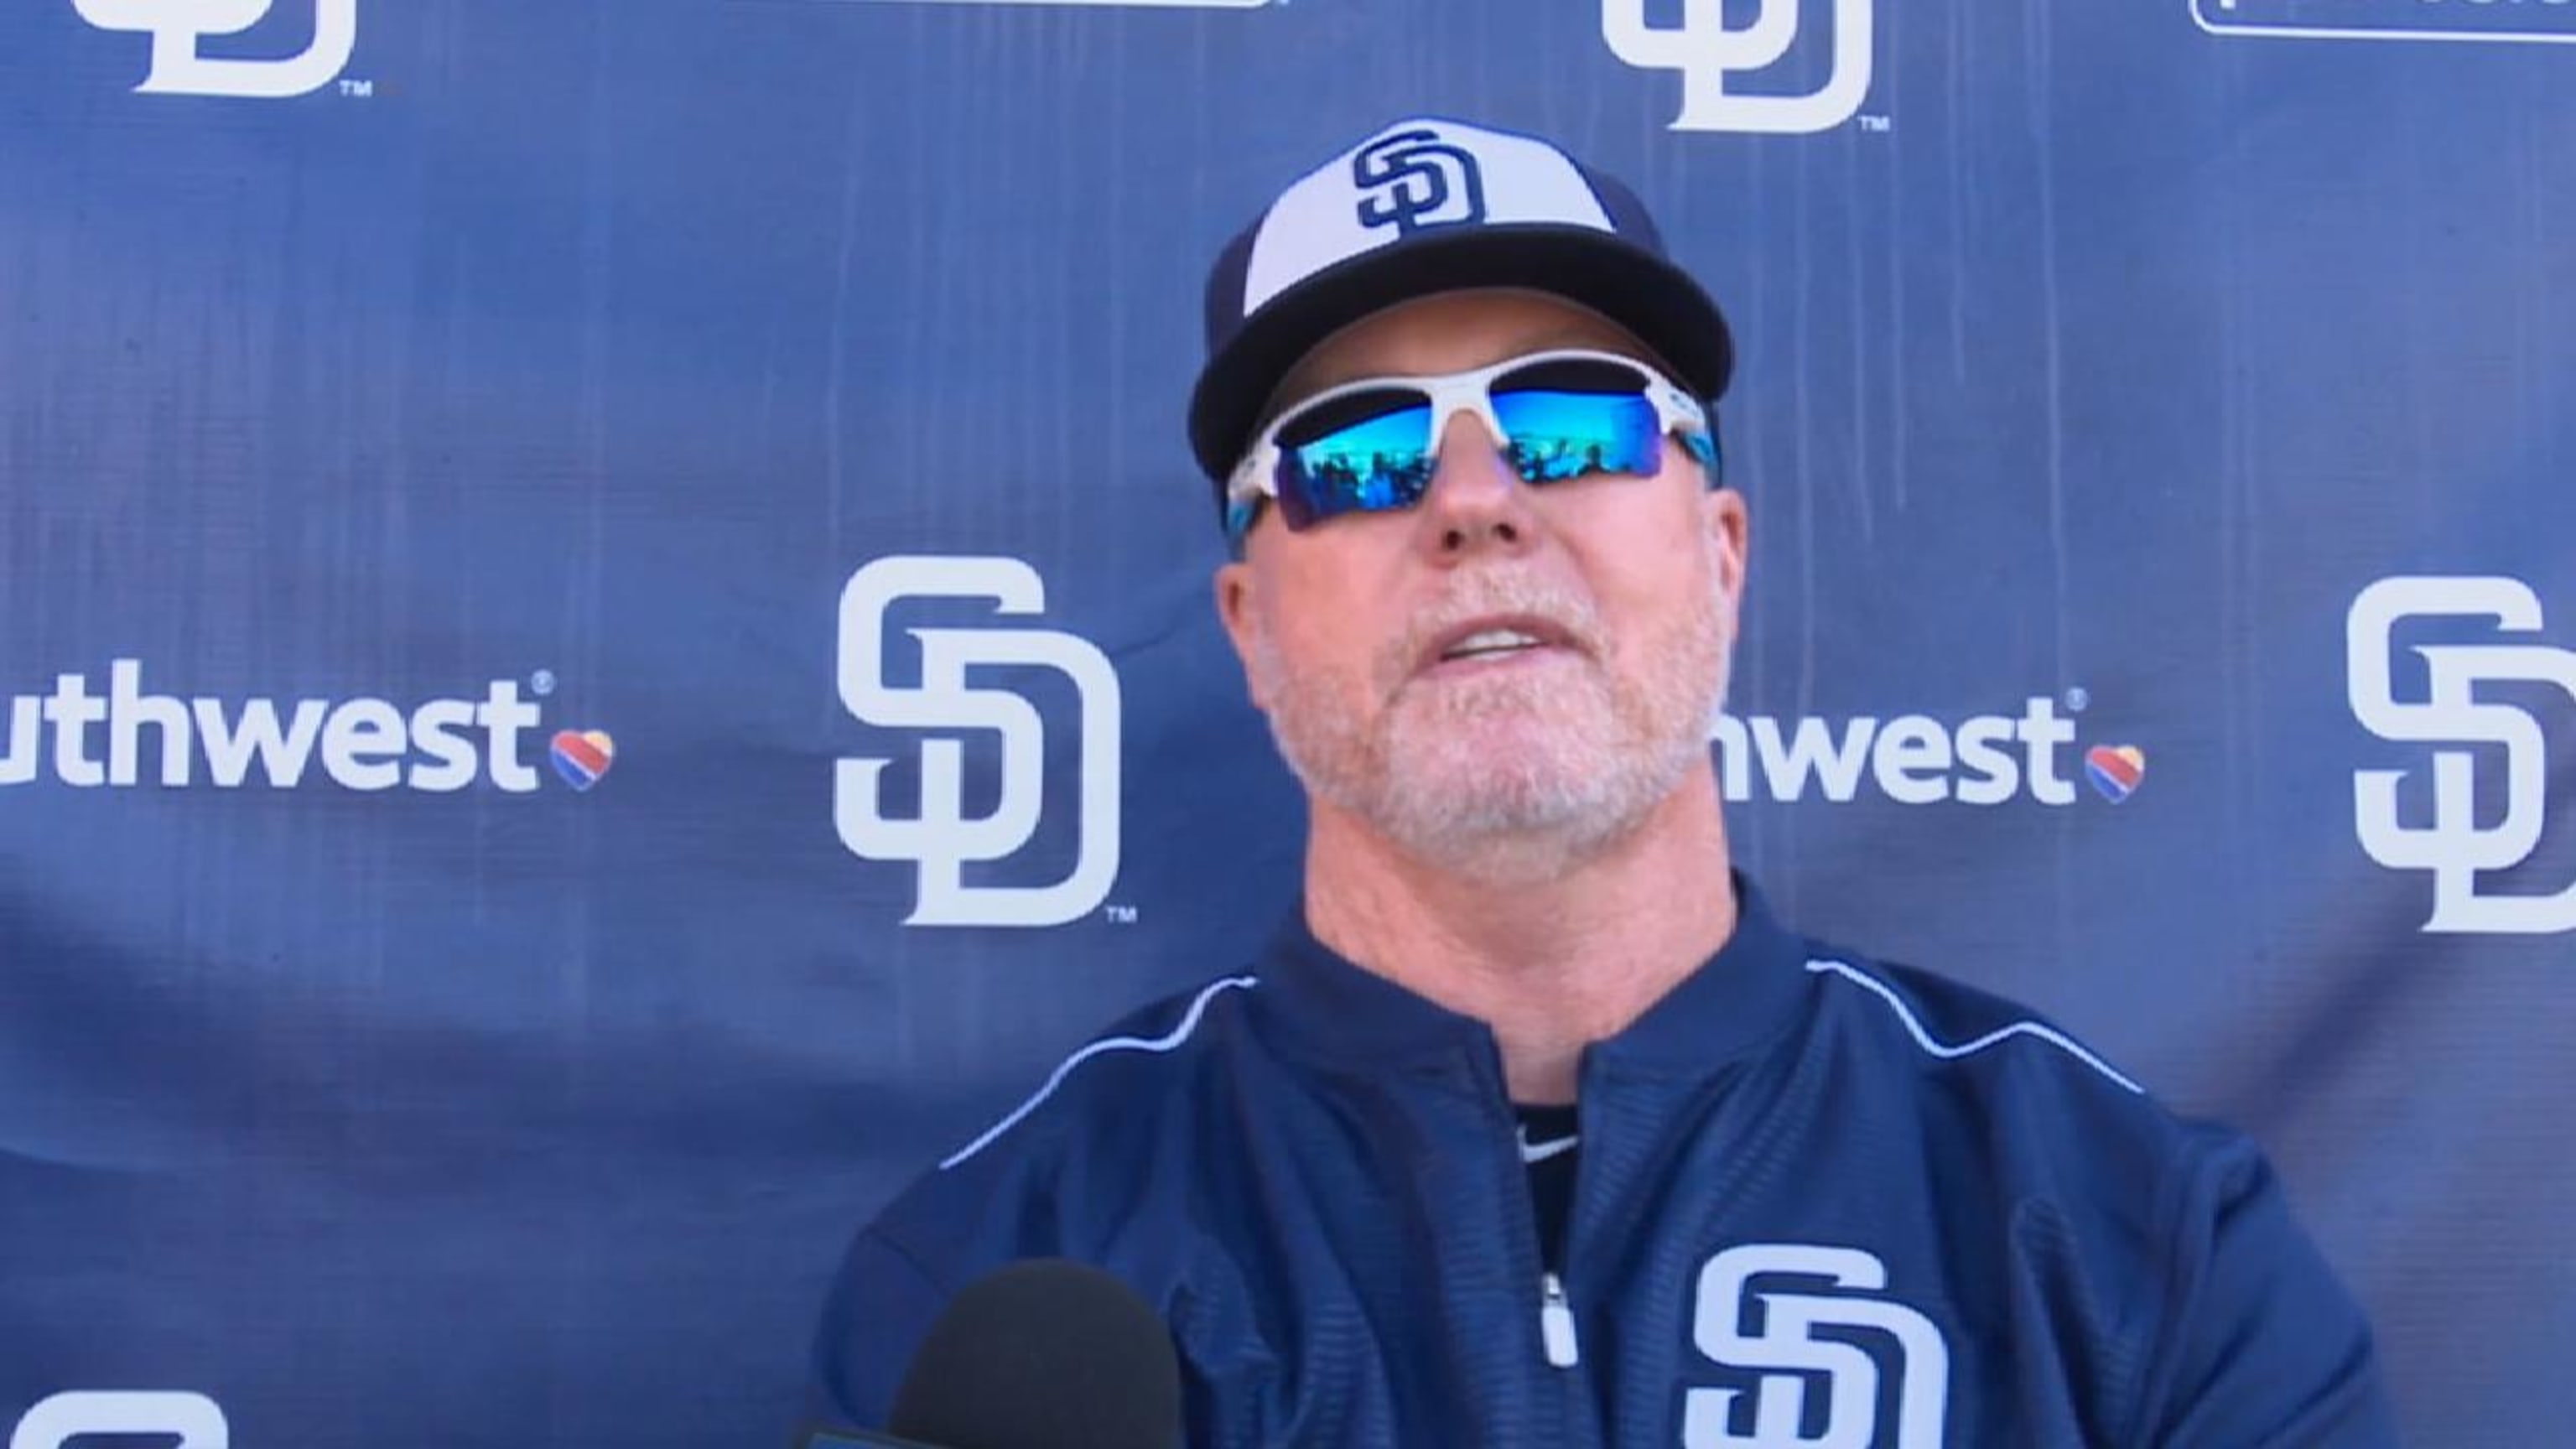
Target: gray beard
(1591,760)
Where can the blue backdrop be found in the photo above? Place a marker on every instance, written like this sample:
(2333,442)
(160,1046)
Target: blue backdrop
(462,978)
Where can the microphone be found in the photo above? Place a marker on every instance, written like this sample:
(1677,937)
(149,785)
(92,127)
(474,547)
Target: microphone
(1043,1354)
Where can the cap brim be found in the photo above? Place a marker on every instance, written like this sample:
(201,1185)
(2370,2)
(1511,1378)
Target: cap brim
(1653,299)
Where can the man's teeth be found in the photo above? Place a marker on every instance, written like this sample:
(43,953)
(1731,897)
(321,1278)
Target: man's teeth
(1489,641)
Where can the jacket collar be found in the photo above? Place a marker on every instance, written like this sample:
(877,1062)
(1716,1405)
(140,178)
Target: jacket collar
(1333,1009)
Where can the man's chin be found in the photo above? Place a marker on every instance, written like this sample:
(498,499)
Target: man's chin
(1469,804)
(1553,743)
(1507,842)
(1533,691)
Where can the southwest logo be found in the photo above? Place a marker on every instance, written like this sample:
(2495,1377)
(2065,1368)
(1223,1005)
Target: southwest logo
(2115,770)
(127,735)
(1914,759)
(582,757)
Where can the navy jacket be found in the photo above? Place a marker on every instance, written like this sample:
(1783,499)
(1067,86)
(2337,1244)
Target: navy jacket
(1821,1202)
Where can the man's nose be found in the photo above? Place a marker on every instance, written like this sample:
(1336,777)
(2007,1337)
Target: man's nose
(1475,502)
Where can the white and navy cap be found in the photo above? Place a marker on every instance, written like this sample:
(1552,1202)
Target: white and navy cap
(1429,205)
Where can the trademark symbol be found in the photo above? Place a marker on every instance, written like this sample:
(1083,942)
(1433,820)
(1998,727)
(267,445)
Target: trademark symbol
(358,89)
(1877,124)
(1119,915)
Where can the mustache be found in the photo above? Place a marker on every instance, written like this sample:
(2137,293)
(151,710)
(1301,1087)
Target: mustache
(1488,592)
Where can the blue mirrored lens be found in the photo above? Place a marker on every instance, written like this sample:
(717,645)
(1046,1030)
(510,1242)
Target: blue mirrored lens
(1371,465)
(1560,435)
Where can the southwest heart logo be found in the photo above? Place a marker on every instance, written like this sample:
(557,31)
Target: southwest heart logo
(583,756)
(2115,770)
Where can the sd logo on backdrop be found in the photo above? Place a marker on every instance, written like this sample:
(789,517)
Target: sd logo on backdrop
(178,26)
(943,838)
(1711,55)
(2456,847)
(78,1416)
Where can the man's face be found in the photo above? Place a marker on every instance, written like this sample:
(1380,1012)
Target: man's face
(1350,631)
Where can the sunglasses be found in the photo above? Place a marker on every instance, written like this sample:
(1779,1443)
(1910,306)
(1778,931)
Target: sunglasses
(1370,446)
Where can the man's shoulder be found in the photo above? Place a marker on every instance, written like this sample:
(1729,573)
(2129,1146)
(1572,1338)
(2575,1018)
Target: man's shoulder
(1096,1114)
(2150,1227)
(1925,1021)
(1152,1054)
(2010,1076)
(2003,1099)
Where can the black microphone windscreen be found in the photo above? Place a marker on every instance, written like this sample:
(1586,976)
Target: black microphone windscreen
(1045,1354)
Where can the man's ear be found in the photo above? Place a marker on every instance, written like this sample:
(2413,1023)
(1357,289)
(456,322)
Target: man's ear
(1729,526)
(1235,603)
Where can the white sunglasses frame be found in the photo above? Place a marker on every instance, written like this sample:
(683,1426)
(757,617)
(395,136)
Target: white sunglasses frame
(1256,477)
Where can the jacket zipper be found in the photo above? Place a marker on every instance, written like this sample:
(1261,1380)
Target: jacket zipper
(1556,1323)
(1562,1345)
(1558,1341)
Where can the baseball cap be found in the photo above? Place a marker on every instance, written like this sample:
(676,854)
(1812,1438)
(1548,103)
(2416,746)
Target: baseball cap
(1431,205)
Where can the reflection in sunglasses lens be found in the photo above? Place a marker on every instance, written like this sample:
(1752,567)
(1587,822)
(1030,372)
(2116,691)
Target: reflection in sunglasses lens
(1556,436)
(1370,466)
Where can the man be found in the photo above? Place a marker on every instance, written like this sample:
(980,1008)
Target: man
(1534,1127)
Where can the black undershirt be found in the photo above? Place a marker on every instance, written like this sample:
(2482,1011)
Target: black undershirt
(1551,1177)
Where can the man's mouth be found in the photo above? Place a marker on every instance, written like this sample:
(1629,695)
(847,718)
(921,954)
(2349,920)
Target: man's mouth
(1489,642)
(1494,640)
